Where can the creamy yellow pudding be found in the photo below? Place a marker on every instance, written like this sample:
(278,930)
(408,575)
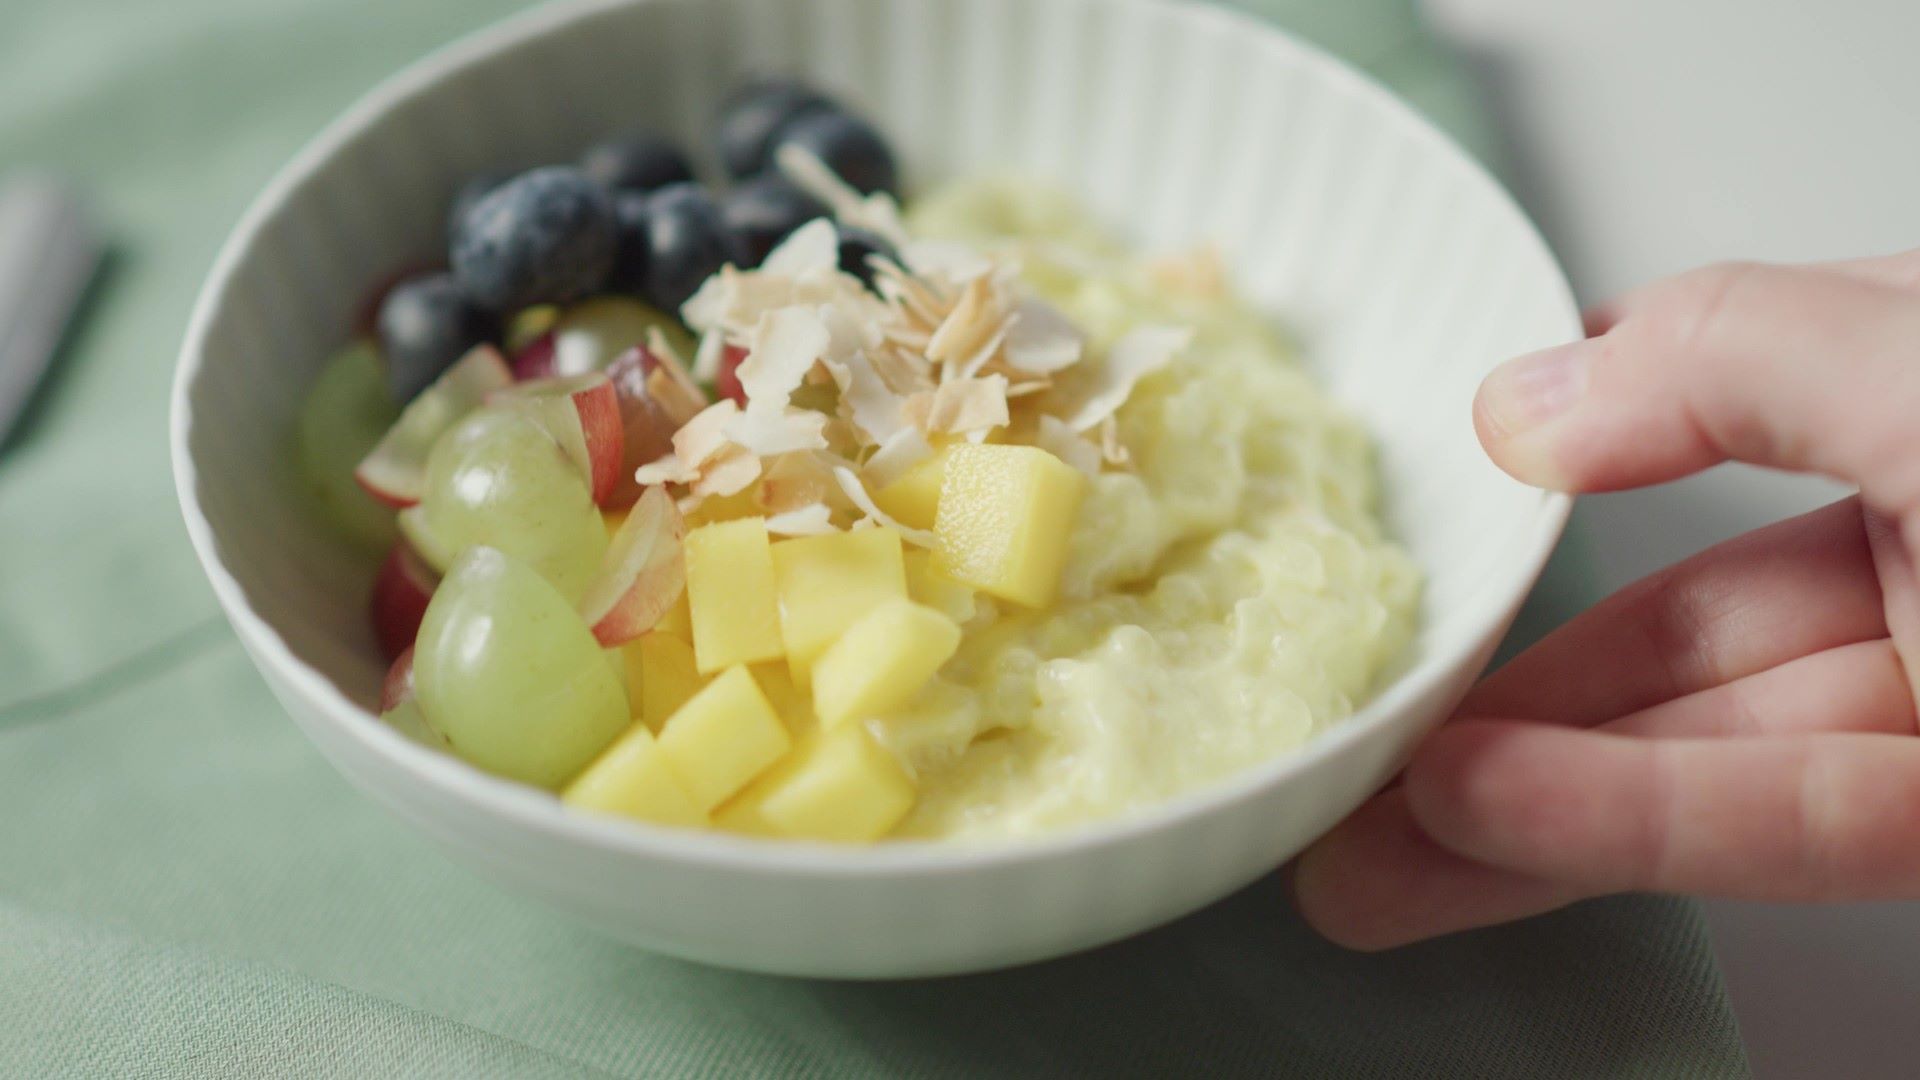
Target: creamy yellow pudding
(1227,594)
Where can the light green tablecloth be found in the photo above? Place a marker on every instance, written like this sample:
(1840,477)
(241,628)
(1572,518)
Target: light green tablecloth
(186,889)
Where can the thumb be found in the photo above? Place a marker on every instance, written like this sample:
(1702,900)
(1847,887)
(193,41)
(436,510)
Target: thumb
(1801,369)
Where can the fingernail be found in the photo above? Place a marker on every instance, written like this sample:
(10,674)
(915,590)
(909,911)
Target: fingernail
(1530,390)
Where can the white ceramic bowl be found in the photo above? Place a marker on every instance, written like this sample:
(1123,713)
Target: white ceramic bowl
(1405,269)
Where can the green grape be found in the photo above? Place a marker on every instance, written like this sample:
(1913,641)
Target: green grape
(408,720)
(590,334)
(346,412)
(506,670)
(497,478)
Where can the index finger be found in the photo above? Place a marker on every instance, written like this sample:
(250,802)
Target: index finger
(1792,368)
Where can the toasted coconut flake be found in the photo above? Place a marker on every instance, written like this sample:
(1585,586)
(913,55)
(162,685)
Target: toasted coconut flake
(786,344)
(669,384)
(702,438)
(983,355)
(793,481)
(1061,441)
(730,472)
(811,520)
(665,469)
(850,483)
(961,406)
(877,213)
(965,328)
(904,372)
(1029,388)
(766,432)
(907,448)
(1041,340)
(706,359)
(1112,450)
(811,248)
(1102,388)
(955,262)
(867,400)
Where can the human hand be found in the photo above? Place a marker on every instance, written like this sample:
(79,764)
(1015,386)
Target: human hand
(1741,724)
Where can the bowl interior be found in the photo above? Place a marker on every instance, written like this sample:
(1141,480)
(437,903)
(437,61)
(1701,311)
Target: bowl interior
(1405,272)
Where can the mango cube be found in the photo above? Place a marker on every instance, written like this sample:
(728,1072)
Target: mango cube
(914,499)
(632,778)
(793,705)
(926,585)
(723,737)
(678,620)
(730,595)
(1005,516)
(661,676)
(826,582)
(838,786)
(881,661)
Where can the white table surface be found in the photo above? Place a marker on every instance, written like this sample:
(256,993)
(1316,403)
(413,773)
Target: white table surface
(1653,135)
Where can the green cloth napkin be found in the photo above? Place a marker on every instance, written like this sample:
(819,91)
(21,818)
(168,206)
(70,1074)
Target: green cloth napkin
(186,888)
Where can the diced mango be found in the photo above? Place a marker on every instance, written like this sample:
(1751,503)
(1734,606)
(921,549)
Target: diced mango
(826,582)
(730,595)
(632,778)
(914,499)
(723,737)
(926,585)
(741,814)
(837,786)
(678,620)
(881,661)
(661,676)
(794,705)
(1005,516)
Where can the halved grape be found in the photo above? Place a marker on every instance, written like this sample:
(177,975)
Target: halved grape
(394,471)
(647,426)
(582,413)
(589,335)
(508,672)
(498,479)
(344,416)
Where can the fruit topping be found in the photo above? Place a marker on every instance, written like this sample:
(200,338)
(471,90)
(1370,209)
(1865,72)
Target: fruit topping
(346,412)
(764,210)
(642,575)
(582,413)
(400,593)
(499,480)
(425,324)
(687,242)
(394,471)
(848,145)
(723,737)
(636,161)
(505,669)
(545,236)
(754,115)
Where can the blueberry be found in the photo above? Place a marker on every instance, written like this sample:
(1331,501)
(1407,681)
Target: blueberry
(471,191)
(544,237)
(755,114)
(426,323)
(630,246)
(686,243)
(856,244)
(637,160)
(849,146)
(763,211)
